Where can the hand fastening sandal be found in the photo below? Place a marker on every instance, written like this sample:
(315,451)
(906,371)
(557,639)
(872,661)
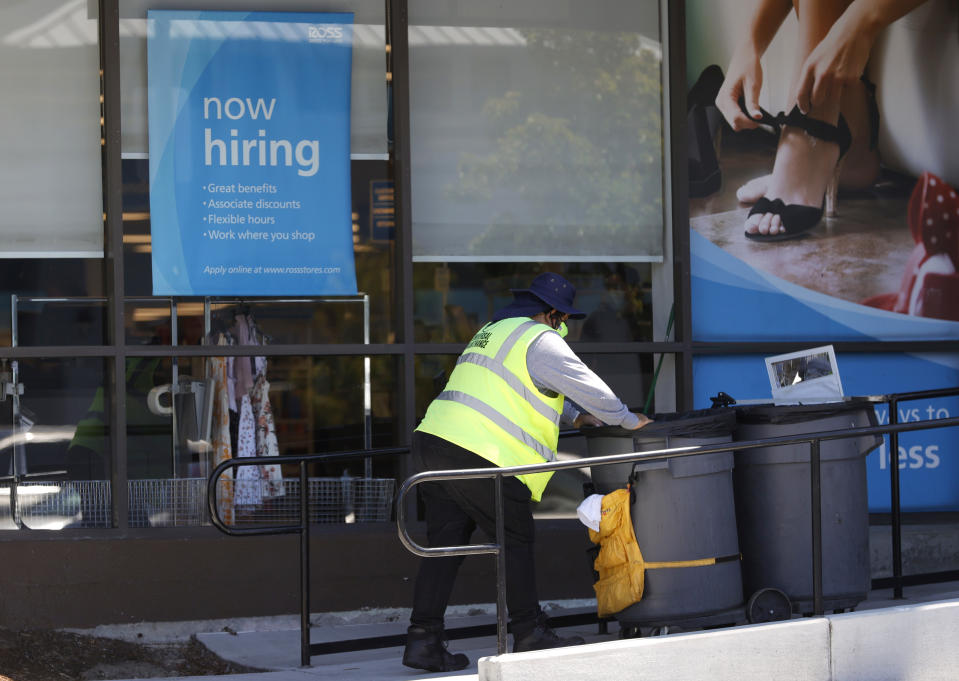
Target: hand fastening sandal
(797,219)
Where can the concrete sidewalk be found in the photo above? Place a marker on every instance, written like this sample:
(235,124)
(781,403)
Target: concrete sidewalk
(271,647)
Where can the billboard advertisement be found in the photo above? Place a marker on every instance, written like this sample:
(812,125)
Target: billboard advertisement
(824,214)
(250,153)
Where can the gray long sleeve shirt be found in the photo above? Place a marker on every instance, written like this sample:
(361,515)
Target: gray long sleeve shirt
(553,366)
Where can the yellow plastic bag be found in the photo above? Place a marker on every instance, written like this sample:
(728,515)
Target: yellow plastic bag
(620,563)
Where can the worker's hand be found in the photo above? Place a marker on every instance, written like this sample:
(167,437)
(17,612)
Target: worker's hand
(643,421)
(587,421)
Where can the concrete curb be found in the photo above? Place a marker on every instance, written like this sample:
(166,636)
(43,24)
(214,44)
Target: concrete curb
(915,642)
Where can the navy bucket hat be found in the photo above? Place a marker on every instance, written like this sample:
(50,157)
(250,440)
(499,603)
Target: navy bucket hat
(555,291)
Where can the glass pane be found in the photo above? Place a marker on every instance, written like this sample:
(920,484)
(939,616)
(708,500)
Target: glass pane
(299,321)
(59,321)
(222,409)
(147,321)
(536,131)
(368,86)
(432,372)
(628,374)
(54,447)
(51,278)
(50,132)
(452,301)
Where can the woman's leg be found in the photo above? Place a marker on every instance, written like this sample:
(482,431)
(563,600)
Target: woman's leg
(804,165)
(860,167)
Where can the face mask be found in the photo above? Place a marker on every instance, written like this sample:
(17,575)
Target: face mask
(562,330)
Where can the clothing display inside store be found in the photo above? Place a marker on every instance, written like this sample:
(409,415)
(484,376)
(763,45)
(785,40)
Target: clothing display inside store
(243,419)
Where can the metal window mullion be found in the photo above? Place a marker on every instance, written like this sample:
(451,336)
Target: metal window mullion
(108,31)
(398,64)
(676,175)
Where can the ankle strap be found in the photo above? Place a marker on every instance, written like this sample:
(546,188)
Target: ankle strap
(837,134)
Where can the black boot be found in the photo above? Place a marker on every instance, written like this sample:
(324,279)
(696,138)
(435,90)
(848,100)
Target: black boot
(541,637)
(426,649)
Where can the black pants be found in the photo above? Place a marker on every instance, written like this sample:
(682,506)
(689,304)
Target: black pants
(454,509)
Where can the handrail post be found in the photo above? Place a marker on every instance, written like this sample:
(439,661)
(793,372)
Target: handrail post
(894,501)
(815,474)
(500,569)
(304,568)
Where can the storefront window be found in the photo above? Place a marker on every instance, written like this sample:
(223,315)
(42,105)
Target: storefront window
(224,408)
(370,176)
(536,131)
(537,145)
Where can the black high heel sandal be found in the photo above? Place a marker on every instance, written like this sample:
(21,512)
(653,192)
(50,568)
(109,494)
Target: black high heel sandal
(704,130)
(797,219)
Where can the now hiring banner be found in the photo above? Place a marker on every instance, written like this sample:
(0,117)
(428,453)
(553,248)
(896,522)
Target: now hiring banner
(249,121)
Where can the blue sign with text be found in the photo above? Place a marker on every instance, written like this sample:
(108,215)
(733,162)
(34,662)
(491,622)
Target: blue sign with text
(250,153)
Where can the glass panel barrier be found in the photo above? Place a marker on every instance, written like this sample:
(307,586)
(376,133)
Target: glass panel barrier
(234,407)
(54,448)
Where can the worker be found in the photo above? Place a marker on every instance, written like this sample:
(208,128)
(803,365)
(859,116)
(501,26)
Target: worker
(502,405)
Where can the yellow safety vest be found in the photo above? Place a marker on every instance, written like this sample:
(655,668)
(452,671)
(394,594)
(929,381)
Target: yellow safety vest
(491,407)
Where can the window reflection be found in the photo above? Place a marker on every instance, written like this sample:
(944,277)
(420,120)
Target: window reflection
(233,407)
(43,462)
(452,301)
(55,442)
(536,131)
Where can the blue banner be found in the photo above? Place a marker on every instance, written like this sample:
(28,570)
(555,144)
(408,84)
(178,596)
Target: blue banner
(250,153)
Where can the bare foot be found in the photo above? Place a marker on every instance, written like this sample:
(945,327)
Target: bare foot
(860,167)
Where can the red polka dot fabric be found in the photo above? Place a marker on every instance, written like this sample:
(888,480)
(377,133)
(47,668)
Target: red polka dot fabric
(934,216)
(930,283)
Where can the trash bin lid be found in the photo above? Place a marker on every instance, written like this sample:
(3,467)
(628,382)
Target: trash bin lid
(703,423)
(797,413)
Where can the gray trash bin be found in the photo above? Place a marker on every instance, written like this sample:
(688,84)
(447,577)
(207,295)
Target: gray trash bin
(683,510)
(773,503)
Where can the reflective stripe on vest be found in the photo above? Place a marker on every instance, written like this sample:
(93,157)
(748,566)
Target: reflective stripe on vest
(500,420)
(496,366)
(491,406)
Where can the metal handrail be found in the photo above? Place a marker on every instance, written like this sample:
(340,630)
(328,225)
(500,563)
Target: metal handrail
(812,439)
(302,527)
(894,501)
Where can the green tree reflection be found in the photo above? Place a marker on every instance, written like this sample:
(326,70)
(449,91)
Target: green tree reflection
(580,148)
